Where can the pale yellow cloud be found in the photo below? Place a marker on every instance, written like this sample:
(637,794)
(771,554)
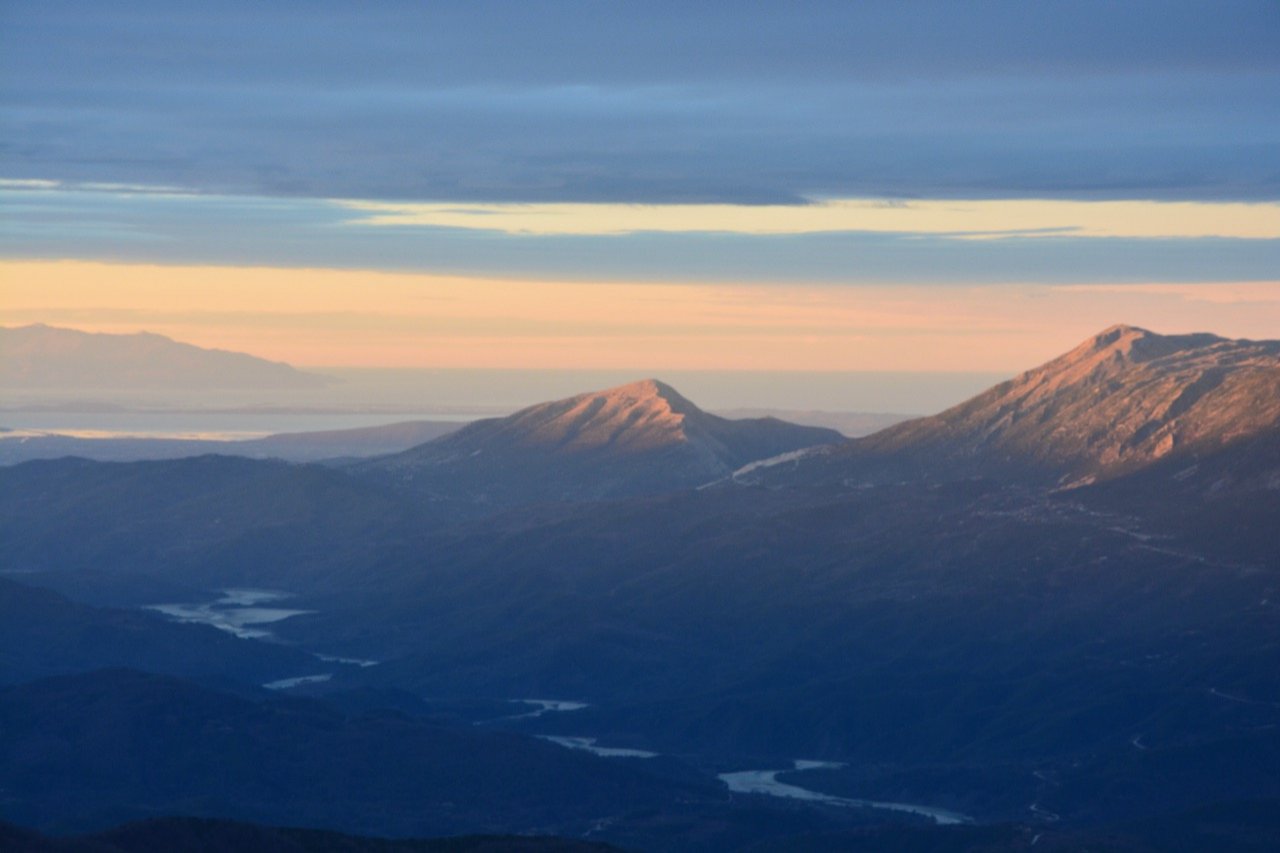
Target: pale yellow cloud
(1233,293)
(379,319)
(972,219)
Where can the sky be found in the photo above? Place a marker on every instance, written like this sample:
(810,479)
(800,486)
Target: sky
(804,186)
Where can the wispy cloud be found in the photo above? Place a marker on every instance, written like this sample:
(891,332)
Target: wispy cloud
(208,229)
(1218,293)
(28,184)
(962,219)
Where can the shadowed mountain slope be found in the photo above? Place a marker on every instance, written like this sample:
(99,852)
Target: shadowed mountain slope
(1118,402)
(270,522)
(44,634)
(635,439)
(120,745)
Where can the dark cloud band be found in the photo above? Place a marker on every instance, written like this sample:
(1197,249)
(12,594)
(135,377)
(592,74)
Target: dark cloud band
(688,102)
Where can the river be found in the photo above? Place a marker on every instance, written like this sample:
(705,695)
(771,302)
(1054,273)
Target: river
(238,611)
(766,782)
(589,745)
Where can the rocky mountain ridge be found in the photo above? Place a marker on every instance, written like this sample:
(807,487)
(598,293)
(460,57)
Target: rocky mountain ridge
(1121,400)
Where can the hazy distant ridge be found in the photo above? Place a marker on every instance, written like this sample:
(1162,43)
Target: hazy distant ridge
(312,446)
(41,357)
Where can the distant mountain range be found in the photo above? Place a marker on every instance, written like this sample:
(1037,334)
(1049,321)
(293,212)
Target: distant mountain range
(335,445)
(635,439)
(313,446)
(41,357)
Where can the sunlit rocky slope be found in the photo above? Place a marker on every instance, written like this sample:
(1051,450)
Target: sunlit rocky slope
(634,439)
(1116,403)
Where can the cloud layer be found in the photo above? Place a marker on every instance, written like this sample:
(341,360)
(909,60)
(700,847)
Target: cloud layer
(150,227)
(962,219)
(656,102)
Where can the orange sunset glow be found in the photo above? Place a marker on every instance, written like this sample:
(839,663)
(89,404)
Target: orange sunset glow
(381,319)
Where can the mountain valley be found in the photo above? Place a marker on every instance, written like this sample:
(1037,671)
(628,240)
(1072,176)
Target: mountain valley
(1004,611)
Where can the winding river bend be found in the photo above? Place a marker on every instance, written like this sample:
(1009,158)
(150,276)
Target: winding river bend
(766,782)
(241,611)
(546,706)
(589,744)
(237,611)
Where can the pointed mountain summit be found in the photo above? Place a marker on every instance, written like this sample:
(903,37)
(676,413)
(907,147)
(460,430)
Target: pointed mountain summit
(1116,403)
(630,418)
(639,438)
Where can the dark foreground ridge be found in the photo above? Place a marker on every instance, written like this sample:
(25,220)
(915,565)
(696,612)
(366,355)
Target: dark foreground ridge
(201,835)
(119,744)
(1244,827)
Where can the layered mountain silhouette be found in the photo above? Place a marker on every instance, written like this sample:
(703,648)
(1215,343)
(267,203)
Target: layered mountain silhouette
(47,357)
(929,606)
(635,439)
(1118,402)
